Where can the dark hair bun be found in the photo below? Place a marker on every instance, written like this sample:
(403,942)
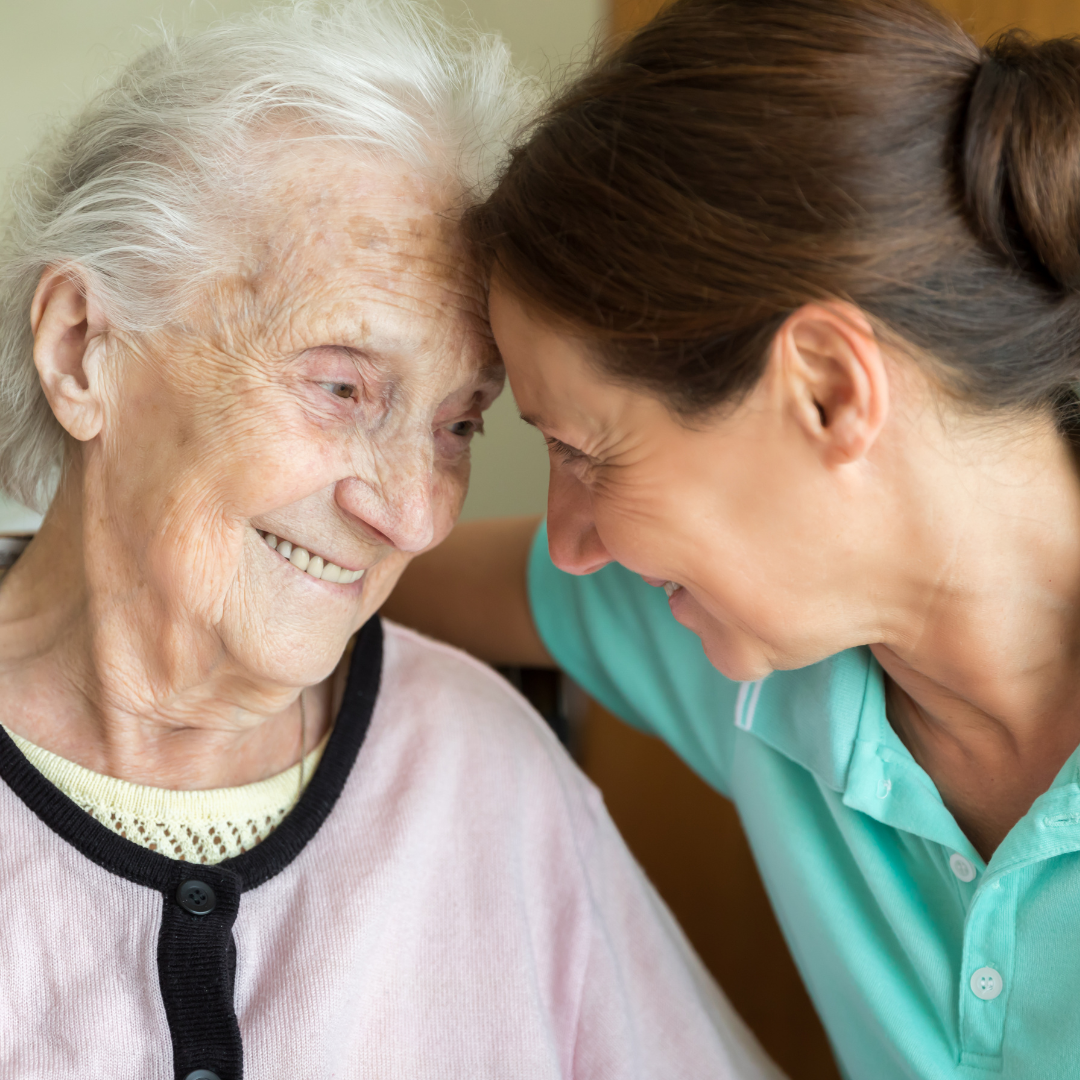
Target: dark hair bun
(1021,154)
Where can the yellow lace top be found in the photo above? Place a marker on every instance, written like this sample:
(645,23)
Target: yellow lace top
(194,826)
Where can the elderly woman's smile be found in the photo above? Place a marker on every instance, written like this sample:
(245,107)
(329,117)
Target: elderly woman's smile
(299,434)
(322,569)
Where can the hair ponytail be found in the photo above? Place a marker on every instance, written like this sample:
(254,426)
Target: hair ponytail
(1020,157)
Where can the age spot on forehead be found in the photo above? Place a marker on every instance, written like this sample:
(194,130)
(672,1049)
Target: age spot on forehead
(371,236)
(330,235)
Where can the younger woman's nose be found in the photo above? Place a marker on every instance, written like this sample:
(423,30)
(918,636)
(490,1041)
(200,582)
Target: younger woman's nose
(573,541)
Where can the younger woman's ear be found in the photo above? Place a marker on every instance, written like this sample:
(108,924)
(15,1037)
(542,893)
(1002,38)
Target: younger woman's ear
(835,378)
(67,344)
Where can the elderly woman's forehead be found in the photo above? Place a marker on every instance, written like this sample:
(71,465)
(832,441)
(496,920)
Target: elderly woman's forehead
(345,222)
(328,198)
(333,237)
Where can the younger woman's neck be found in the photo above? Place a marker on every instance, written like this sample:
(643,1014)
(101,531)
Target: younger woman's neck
(985,652)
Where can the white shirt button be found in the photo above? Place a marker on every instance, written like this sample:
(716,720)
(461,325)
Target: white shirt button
(986,983)
(963,868)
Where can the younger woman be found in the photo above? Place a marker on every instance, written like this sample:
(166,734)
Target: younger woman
(792,289)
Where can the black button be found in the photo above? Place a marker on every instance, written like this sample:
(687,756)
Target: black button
(201,1074)
(198,898)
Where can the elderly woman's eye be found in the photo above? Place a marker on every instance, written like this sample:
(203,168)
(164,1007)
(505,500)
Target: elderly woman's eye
(465,428)
(340,389)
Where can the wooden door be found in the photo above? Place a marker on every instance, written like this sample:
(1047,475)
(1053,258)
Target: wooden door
(630,14)
(687,836)
(1043,18)
(983,18)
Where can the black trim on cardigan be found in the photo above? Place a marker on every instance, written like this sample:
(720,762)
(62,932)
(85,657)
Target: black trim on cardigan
(196,961)
(196,953)
(156,871)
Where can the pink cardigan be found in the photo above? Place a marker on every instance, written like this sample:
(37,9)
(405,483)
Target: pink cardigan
(448,901)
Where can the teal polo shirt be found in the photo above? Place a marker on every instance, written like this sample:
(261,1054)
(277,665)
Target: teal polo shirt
(923,960)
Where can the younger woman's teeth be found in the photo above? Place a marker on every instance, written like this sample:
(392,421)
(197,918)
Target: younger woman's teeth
(311,564)
(671,588)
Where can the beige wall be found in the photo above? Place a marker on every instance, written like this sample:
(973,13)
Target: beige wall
(52,53)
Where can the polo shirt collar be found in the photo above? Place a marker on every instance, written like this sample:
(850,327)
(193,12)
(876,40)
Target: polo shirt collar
(1050,828)
(830,719)
(812,715)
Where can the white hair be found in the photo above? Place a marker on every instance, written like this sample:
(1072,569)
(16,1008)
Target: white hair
(131,194)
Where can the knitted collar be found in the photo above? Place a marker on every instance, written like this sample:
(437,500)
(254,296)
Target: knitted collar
(252,868)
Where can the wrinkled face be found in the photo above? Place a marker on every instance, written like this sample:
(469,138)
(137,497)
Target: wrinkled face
(732,510)
(271,467)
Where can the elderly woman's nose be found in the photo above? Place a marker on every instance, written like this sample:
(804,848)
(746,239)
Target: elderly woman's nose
(573,541)
(398,511)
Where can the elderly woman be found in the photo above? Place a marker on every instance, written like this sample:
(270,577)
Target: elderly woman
(244,826)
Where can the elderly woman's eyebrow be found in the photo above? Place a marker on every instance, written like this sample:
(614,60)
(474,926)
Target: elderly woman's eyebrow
(372,356)
(484,383)
(491,374)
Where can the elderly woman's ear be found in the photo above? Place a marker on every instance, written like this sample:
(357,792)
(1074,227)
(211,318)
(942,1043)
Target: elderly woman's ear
(68,347)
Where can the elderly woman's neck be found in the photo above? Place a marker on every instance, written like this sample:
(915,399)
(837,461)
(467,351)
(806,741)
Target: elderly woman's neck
(95,670)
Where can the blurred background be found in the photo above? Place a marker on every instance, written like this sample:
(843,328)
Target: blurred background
(688,838)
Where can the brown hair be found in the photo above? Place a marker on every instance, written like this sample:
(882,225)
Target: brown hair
(738,158)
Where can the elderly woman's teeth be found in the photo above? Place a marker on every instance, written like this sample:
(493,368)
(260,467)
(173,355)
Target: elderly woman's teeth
(311,564)
(671,588)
